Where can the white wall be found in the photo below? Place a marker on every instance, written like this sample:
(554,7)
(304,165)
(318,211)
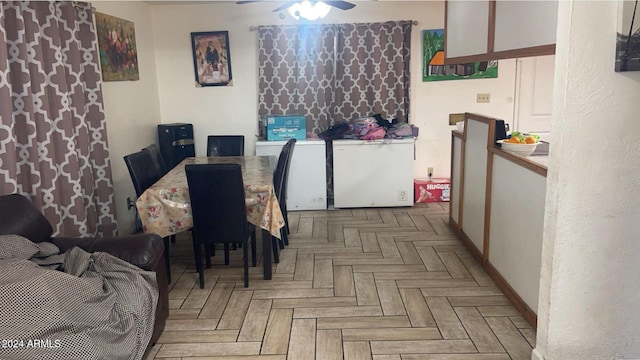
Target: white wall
(131,107)
(590,293)
(166,90)
(234,109)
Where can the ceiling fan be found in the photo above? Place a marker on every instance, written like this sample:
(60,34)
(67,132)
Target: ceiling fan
(342,5)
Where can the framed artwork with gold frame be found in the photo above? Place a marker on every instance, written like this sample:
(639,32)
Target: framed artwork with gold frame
(117,48)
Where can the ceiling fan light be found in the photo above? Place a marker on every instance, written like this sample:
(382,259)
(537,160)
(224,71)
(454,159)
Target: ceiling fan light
(308,10)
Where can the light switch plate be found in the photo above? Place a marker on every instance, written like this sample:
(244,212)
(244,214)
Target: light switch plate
(483,98)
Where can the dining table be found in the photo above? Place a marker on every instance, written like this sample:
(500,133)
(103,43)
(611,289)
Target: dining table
(165,209)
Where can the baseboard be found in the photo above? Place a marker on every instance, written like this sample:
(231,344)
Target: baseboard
(511,294)
(535,355)
(453,225)
(477,254)
(500,281)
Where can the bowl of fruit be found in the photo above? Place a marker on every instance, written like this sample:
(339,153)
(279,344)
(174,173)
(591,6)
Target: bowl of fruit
(520,143)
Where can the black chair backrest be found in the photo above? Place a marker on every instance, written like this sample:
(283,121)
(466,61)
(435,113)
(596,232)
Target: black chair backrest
(18,215)
(142,170)
(292,144)
(217,203)
(225,145)
(158,160)
(281,174)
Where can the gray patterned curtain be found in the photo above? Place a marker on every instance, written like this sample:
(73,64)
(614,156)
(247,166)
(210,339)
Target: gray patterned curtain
(296,72)
(53,139)
(373,69)
(334,72)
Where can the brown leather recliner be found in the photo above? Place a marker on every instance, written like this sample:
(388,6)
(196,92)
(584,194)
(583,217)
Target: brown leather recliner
(19,216)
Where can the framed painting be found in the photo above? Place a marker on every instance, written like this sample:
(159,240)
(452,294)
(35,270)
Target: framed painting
(434,68)
(211,58)
(118,53)
(628,37)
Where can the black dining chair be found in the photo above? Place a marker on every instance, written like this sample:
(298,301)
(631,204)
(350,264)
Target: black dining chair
(225,145)
(145,173)
(161,167)
(280,181)
(219,212)
(158,160)
(142,170)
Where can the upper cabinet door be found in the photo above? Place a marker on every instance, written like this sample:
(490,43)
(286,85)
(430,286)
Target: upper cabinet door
(467,28)
(499,29)
(525,24)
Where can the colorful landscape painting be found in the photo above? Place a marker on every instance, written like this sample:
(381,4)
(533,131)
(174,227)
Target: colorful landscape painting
(434,68)
(628,37)
(118,54)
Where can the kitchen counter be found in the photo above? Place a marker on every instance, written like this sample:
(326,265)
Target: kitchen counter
(536,163)
(541,160)
(497,209)
(541,154)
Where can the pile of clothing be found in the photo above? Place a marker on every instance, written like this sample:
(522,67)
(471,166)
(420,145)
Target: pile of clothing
(372,127)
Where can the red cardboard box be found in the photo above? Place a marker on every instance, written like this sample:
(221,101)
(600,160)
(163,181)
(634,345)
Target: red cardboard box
(434,190)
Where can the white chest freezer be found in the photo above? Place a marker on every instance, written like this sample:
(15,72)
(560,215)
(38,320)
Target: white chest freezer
(375,173)
(307,183)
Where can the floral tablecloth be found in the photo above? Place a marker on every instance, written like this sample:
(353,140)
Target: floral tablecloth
(165,207)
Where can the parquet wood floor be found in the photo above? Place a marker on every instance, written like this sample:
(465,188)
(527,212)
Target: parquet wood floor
(376,284)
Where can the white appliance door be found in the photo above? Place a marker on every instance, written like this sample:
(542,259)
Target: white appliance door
(373,173)
(307,183)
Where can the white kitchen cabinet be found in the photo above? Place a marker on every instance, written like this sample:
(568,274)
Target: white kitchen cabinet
(467,28)
(375,173)
(525,24)
(307,183)
(503,29)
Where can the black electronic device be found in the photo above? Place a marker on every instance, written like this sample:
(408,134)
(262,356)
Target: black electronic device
(176,142)
(501,130)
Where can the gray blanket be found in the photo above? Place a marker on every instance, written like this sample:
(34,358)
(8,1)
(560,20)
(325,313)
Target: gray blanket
(74,305)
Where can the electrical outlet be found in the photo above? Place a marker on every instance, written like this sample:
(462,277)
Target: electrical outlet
(402,195)
(483,97)
(430,172)
(130,203)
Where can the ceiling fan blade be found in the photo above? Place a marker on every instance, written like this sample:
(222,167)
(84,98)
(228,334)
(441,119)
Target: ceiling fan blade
(285,6)
(247,1)
(342,5)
